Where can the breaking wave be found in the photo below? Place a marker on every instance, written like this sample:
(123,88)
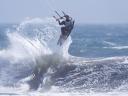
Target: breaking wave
(32,45)
(33,61)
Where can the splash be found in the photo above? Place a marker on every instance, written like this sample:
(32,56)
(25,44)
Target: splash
(47,32)
(33,43)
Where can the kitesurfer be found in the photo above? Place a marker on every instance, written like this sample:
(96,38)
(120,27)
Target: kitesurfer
(66,28)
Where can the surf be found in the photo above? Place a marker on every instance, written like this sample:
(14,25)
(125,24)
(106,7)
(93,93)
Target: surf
(32,45)
(32,63)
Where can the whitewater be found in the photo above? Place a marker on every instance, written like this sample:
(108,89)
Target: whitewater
(32,64)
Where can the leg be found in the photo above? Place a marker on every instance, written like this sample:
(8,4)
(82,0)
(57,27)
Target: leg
(63,30)
(60,40)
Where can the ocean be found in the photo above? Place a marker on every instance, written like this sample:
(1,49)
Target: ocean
(93,61)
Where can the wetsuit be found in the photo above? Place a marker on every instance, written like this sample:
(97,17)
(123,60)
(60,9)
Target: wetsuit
(68,26)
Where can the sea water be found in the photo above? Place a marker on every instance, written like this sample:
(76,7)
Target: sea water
(93,61)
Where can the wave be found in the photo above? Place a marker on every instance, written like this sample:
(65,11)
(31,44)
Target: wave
(117,47)
(33,61)
(109,43)
(33,44)
(120,47)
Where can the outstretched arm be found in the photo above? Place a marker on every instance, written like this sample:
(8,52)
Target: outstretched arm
(61,23)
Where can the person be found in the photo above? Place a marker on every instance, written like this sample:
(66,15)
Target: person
(67,26)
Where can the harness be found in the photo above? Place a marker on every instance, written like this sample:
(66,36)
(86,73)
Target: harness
(69,25)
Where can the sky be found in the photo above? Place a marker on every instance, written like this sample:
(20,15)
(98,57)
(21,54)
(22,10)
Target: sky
(83,11)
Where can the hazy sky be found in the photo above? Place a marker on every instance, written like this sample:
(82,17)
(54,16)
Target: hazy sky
(84,11)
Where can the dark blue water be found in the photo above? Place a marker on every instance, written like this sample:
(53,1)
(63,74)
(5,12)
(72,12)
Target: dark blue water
(99,40)
(4,29)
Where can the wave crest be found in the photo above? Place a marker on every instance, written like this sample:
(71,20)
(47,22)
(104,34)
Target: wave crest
(31,43)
